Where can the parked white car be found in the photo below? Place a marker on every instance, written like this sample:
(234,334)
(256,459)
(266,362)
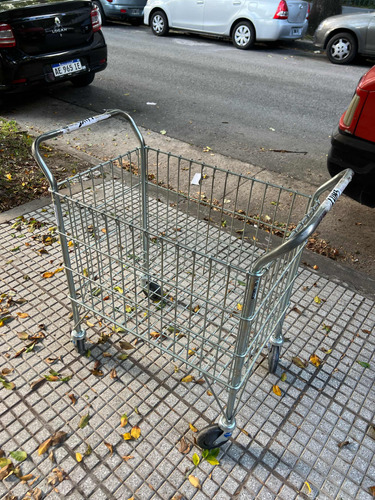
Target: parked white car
(244,21)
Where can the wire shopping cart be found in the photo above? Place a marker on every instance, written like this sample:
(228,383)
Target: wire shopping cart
(194,260)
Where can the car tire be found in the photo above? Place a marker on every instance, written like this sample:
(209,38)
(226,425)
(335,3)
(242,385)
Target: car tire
(243,35)
(100,8)
(83,80)
(159,23)
(342,48)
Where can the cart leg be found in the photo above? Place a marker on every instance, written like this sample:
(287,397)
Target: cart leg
(78,339)
(275,343)
(216,435)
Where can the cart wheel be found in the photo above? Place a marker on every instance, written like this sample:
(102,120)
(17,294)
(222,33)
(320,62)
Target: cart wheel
(273,358)
(211,437)
(153,290)
(80,346)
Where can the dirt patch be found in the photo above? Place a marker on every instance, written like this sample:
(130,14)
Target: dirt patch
(21,179)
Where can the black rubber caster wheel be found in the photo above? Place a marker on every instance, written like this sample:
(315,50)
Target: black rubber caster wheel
(273,358)
(80,346)
(211,437)
(153,290)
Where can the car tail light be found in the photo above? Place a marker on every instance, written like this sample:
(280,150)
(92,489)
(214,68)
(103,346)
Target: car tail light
(7,36)
(308,10)
(349,119)
(96,19)
(282,11)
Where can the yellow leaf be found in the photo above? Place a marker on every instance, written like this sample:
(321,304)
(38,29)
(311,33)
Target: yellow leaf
(191,352)
(154,335)
(276,389)
(308,487)
(70,244)
(9,177)
(239,307)
(88,323)
(196,309)
(22,315)
(44,446)
(128,309)
(315,360)
(124,420)
(58,270)
(188,378)
(48,274)
(317,300)
(135,432)
(78,457)
(209,393)
(127,457)
(192,428)
(194,481)
(127,436)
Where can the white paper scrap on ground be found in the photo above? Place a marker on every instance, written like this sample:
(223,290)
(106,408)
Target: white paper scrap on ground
(196,179)
(151,103)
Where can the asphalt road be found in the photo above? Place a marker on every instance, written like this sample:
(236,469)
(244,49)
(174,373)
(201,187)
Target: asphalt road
(242,104)
(249,107)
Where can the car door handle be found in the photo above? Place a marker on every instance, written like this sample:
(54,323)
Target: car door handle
(236,3)
(199,2)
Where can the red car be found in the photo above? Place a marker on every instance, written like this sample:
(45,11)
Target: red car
(353,144)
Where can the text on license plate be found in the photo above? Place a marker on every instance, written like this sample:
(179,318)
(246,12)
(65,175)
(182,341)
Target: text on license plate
(296,31)
(67,68)
(136,12)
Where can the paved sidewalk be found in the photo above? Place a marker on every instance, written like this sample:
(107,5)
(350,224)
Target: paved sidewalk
(316,440)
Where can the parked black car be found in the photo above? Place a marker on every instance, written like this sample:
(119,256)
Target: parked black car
(48,41)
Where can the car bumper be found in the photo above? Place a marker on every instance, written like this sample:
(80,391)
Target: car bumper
(122,12)
(22,71)
(351,152)
(274,30)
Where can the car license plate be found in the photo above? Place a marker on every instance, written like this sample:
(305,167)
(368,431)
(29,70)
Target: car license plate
(67,68)
(136,12)
(296,31)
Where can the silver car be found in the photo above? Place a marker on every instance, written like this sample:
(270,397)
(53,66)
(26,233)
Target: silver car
(345,36)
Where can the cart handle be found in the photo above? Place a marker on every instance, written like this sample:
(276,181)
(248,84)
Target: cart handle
(338,183)
(76,126)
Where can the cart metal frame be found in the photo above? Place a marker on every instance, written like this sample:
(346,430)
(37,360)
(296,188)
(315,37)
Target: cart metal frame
(201,277)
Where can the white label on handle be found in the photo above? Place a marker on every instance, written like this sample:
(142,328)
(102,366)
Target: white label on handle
(85,123)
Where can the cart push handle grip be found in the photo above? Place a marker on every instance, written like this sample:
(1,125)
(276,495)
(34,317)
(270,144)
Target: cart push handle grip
(338,183)
(87,122)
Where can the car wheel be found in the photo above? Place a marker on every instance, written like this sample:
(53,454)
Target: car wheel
(243,35)
(101,11)
(342,48)
(159,23)
(83,80)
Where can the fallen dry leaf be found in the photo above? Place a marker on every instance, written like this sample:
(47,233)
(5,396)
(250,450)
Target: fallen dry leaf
(124,420)
(79,457)
(298,362)
(192,428)
(188,378)
(194,481)
(276,389)
(344,443)
(127,457)
(113,373)
(72,398)
(110,447)
(315,360)
(135,432)
(184,446)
